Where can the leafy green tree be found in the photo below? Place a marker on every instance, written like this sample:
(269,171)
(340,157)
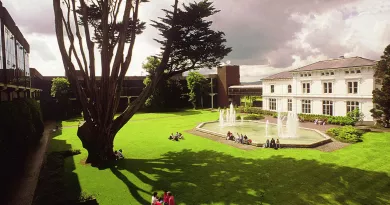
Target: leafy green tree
(168,95)
(60,90)
(188,43)
(381,96)
(198,86)
(356,115)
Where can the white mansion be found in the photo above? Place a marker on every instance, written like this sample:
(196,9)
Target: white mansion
(330,87)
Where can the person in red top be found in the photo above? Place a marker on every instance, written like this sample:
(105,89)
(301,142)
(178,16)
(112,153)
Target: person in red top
(171,200)
(166,198)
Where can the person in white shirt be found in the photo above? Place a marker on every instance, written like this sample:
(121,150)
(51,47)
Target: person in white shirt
(154,199)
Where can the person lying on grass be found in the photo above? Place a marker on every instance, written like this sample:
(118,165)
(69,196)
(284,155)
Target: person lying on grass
(118,154)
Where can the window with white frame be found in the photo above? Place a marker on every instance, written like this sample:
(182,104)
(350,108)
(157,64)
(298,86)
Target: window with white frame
(305,87)
(306,106)
(328,87)
(289,89)
(272,88)
(272,104)
(327,107)
(289,104)
(352,105)
(353,87)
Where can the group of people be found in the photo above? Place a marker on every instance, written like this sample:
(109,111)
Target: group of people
(319,122)
(176,137)
(118,154)
(165,199)
(243,139)
(272,143)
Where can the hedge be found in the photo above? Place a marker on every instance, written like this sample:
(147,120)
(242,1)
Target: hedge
(20,124)
(346,134)
(336,120)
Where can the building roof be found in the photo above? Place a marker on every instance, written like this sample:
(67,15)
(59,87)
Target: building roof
(282,75)
(246,86)
(337,63)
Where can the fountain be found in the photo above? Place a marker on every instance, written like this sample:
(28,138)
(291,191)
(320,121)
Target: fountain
(286,128)
(230,116)
(292,124)
(242,119)
(221,118)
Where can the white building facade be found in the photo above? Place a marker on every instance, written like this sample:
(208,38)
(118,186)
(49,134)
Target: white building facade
(331,87)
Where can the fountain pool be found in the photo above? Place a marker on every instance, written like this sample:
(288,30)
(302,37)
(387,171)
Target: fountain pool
(257,131)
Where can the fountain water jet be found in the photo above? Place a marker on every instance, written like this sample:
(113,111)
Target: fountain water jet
(230,116)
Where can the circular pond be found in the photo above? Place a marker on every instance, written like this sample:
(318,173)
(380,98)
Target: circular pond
(257,131)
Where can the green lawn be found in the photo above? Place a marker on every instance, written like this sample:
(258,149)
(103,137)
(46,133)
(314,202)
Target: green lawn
(201,171)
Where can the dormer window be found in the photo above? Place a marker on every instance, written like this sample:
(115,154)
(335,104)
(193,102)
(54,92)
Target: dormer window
(346,72)
(357,71)
(352,71)
(331,73)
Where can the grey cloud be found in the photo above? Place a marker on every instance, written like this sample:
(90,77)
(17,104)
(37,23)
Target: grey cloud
(32,16)
(42,49)
(259,29)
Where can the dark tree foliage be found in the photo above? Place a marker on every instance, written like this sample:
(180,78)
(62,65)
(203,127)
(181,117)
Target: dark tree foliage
(195,45)
(168,95)
(94,19)
(381,96)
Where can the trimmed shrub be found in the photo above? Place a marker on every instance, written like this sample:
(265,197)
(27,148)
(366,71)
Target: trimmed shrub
(335,120)
(20,124)
(346,134)
(253,117)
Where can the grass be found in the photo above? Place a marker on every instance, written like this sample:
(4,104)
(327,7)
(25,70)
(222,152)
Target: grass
(201,171)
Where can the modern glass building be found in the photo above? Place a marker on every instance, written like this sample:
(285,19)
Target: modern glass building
(15,80)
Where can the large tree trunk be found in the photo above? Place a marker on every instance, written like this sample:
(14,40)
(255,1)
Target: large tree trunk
(98,143)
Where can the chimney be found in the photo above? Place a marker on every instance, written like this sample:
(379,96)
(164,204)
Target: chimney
(341,56)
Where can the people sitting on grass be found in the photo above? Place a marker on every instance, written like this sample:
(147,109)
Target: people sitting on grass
(181,136)
(155,199)
(176,137)
(277,143)
(230,136)
(118,154)
(165,198)
(266,145)
(171,199)
(272,143)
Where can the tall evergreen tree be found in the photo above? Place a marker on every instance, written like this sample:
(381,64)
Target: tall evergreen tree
(381,95)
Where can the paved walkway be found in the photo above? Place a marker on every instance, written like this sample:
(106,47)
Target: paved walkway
(24,188)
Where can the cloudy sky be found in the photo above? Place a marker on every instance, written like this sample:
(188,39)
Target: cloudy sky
(267,36)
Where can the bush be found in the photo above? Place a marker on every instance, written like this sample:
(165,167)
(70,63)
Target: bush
(351,119)
(20,124)
(253,117)
(346,134)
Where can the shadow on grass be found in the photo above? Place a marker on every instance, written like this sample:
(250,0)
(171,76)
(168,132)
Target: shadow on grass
(57,184)
(209,177)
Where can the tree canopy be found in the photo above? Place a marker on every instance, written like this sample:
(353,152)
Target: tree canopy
(60,88)
(187,40)
(381,95)
(197,86)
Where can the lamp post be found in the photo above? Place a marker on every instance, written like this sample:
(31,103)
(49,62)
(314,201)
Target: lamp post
(212,93)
